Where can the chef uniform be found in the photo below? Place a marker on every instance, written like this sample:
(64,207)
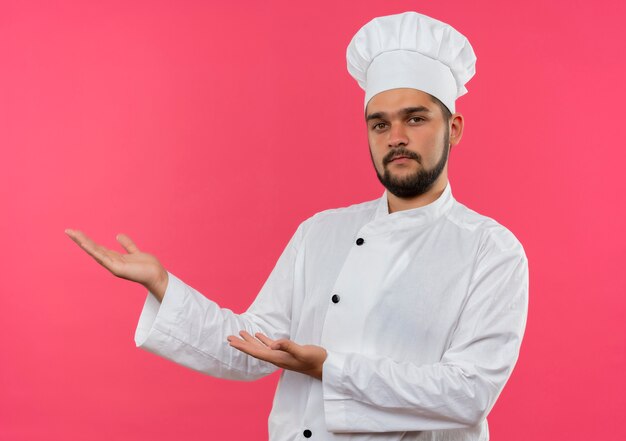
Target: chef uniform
(421,311)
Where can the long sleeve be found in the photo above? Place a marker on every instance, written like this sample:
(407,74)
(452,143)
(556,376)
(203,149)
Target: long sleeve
(369,394)
(191,330)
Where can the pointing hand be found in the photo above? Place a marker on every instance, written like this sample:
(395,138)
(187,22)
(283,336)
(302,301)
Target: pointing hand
(136,266)
(306,359)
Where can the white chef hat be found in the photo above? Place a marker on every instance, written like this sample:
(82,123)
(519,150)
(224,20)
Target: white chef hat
(414,51)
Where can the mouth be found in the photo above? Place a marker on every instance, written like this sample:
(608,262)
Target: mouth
(399,157)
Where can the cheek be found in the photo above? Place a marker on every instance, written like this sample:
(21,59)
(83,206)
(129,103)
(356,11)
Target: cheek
(376,153)
(432,148)
(377,145)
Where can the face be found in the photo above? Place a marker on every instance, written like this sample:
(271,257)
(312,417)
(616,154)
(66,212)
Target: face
(409,141)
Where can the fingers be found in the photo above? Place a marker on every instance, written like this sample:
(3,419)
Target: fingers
(250,339)
(127,243)
(257,347)
(246,343)
(262,342)
(83,240)
(96,251)
(282,345)
(77,236)
(264,339)
(282,353)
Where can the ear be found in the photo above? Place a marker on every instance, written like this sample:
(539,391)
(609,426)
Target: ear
(456,128)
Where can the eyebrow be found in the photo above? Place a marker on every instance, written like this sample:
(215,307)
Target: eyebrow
(403,112)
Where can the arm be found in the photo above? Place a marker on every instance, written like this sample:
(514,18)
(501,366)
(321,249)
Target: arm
(191,330)
(366,394)
(179,323)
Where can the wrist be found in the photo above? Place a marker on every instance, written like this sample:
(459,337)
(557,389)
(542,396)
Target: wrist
(320,368)
(159,286)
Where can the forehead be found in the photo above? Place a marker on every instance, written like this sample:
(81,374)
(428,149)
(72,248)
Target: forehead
(391,101)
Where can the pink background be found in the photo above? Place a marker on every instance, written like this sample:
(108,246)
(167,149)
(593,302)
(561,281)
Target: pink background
(207,131)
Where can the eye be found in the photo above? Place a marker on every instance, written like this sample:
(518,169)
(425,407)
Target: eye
(379,126)
(416,119)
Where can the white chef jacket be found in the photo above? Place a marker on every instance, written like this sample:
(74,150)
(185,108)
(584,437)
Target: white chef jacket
(421,312)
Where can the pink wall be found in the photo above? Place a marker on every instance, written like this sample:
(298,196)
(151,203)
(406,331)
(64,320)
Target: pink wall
(207,131)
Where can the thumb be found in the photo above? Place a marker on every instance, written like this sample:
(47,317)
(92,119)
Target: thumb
(127,243)
(287,346)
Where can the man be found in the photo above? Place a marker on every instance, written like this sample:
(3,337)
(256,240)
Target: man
(395,319)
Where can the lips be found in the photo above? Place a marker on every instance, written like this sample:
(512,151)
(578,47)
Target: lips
(401,154)
(398,157)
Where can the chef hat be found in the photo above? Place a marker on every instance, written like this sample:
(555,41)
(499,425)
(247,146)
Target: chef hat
(414,51)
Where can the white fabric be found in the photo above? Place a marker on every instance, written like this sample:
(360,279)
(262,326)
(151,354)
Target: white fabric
(431,312)
(414,51)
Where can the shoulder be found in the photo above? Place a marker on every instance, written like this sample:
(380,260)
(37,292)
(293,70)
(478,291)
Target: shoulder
(493,235)
(352,215)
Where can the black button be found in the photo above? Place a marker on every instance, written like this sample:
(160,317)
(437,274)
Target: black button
(360,241)
(335,298)
(307,433)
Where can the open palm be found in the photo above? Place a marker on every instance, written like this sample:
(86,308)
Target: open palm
(137,266)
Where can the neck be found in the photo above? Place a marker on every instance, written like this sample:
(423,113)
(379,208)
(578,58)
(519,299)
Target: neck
(395,203)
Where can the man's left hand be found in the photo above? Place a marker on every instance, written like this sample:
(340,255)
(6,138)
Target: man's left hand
(306,359)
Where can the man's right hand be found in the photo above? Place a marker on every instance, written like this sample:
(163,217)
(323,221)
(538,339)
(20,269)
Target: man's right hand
(136,266)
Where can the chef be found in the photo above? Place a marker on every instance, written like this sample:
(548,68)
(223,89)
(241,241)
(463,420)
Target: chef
(399,318)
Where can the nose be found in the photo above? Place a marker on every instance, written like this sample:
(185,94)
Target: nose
(397,136)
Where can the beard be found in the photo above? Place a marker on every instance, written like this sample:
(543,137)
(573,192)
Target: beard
(416,183)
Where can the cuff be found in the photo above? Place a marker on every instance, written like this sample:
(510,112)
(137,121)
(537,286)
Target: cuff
(158,315)
(332,376)
(335,396)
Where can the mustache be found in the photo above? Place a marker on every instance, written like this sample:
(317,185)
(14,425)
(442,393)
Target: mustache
(401,152)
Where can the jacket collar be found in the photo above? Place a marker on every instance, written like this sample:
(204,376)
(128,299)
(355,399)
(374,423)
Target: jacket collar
(421,215)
